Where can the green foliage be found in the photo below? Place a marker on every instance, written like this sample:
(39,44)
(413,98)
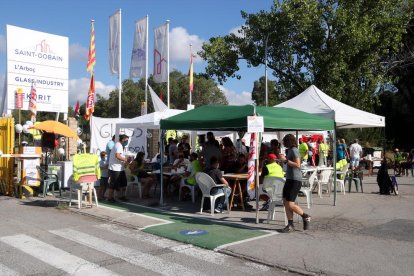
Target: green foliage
(133,93)
(340,46)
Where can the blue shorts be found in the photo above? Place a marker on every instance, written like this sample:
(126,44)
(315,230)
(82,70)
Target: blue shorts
(355,161)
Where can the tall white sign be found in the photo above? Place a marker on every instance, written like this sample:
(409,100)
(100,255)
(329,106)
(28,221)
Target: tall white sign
(41,57)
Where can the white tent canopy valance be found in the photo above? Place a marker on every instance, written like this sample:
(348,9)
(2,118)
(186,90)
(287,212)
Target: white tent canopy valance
(314,101)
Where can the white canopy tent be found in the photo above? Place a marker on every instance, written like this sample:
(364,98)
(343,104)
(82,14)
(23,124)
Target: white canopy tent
(150,121)
(314,101)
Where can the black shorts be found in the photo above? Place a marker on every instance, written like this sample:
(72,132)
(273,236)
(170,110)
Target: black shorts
(291,189)
(117,180)
(103,182)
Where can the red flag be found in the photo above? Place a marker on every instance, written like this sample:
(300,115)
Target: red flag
(161,96)
(90,102)
(91,54)
(77,110)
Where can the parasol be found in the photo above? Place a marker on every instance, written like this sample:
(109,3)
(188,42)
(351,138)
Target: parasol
(56,128)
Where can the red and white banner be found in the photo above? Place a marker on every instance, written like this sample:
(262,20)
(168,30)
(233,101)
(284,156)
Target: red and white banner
(251,181)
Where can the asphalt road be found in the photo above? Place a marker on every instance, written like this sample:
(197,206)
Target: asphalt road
(42,239)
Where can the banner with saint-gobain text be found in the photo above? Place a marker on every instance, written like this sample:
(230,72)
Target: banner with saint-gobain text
(114,42)
(102,130)
(139,50)
(42,58)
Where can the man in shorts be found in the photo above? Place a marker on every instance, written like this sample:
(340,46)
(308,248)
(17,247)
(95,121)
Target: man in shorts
(355,150)
(117,162)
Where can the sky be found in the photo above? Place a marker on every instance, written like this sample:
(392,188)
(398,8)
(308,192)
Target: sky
(190,22)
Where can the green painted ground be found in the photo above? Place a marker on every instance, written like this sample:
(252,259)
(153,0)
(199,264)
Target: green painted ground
(218,233)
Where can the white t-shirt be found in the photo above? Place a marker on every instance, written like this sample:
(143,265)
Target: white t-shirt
(114,163)
(185,162)
(355,150)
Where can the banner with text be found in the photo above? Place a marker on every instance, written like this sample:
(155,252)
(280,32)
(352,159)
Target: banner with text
(40,57)
(102,130)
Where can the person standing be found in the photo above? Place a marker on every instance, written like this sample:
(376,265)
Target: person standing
(355,151)
(303,150)
(109,146)
(117,161)
(292,185)
(103,182)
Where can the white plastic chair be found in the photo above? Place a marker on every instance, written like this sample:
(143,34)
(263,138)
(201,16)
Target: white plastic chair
(340,177)
(307,190)
(132,180)
(83,187)
(273,187)
(325,178)
(206,183)
(191,187)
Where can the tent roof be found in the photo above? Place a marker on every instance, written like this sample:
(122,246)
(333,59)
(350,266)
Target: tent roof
(314,101)
(150,120)
(234,118)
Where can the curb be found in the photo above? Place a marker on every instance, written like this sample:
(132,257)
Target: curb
(282,267)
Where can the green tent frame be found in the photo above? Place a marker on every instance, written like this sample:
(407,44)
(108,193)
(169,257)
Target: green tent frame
(234,118)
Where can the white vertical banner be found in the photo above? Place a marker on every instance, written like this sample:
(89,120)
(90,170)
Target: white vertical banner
(139,50)
(114,42)
(161,53)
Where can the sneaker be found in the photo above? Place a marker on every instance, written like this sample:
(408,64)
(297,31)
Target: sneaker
(219,208)
(306,222)
(288,229)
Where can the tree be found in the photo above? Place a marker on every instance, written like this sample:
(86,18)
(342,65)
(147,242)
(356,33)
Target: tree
(340,46)
(259,92)
(133,93)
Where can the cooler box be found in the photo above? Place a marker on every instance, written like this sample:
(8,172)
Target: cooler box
(67,171)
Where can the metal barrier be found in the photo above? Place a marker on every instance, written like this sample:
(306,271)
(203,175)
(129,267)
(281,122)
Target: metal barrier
(6,164)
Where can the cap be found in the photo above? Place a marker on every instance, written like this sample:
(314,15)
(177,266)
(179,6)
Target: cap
(271,156)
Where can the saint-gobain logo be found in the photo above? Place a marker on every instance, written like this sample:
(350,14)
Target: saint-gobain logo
(43,47)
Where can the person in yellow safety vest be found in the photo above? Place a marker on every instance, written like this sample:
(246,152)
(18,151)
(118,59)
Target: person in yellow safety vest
(272,168)
(323,152)
(303,150)
(85,164)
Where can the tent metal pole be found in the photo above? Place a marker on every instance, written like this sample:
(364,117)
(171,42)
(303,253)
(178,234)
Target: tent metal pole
(256,161)
(334,160)
(161,167)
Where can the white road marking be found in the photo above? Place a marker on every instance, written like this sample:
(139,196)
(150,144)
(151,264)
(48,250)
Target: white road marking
(54,256)
(270,233)
(5,271)
(153,263)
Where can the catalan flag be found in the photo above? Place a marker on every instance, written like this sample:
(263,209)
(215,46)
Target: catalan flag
(90,102)
(191,73)
(32,103)
(91,54)
(77,108)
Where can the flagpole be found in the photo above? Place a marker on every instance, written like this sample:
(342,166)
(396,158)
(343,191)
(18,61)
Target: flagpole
(191,64)
(119,68)
(168,63)
(146,68)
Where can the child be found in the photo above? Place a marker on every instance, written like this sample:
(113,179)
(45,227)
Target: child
(103,182)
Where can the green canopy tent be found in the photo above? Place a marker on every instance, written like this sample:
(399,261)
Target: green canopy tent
(234,118)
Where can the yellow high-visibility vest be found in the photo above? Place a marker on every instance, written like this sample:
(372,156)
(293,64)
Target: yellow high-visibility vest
(86,164)
(275,170)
